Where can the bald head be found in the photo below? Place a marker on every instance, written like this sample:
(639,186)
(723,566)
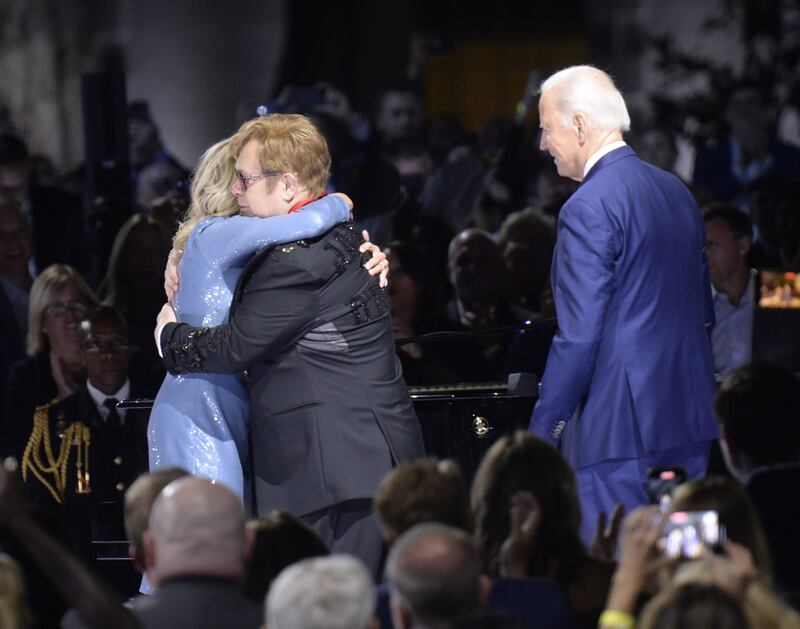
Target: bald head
(196,528)
(434,574)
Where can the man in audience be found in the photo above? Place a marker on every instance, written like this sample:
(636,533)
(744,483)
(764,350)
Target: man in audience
(55,217)
(728,171)
(333,592)
(756,408)
(434,576)
(629,377)
(728,238)
(103,449)
(195,553)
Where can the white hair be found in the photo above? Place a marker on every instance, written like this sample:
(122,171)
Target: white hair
(592,92)
(334,592)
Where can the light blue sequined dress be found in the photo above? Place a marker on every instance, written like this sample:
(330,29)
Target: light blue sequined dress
(199,421)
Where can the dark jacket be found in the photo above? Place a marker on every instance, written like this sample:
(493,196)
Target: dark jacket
(330,413)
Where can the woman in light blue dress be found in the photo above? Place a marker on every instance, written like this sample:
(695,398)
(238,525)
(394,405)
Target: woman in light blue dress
(200,421)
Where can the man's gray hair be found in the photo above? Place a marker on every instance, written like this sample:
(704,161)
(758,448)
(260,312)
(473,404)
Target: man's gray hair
(334,592)
(592,92)
(434,570)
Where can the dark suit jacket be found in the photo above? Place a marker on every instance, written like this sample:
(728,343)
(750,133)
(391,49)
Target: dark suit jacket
(197,603)
(12,348)
(115,461)
(330,413)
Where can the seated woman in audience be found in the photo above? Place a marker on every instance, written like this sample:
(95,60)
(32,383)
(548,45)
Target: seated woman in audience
(54,367)
(522,468)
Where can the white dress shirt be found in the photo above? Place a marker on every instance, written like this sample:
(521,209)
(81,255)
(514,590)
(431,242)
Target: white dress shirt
(99,398)
(603,150)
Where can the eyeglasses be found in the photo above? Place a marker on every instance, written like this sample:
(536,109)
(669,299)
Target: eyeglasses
(246,180)
(73,307)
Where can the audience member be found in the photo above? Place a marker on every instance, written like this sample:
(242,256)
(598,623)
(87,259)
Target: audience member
(333,592)
(434,576)
(424,490)
(139,501)
(760,438)
(83,453)
(657,146)
(728,171)
(524,463)
(195,551)
(417,305)
(527,241)
(735,510)
(15,284)
(398,116)
(480,282)
(144,143)
(54,367)
(279,540)
(728,239)
(135,278)
(694,605)
(55,218)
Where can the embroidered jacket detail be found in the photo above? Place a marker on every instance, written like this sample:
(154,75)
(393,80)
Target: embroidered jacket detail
(371,303)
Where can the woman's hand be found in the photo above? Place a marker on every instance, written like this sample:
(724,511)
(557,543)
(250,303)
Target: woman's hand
(172,280)
(378,263)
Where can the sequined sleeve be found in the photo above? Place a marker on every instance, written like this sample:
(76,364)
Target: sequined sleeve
(232,241)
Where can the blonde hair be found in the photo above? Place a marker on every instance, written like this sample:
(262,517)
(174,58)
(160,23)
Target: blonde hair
(113,283)
(44,292)
(211,191)
(13,608)
(289,143)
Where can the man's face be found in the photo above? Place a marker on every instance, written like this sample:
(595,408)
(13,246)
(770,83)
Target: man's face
(263,197)
(561,141)
(14,180)
(725,252)
(15,243)
(105,351)
(400,116)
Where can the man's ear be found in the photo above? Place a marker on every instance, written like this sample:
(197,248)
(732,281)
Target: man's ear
(150,556)
(290,187)
(581,127)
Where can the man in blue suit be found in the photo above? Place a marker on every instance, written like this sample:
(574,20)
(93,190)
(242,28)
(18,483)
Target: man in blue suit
(629,379)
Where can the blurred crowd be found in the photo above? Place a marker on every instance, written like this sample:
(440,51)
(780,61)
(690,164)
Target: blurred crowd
(469,222)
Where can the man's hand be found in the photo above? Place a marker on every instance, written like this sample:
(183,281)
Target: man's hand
(172,280)
(604,544)
(378,262)
(167,315)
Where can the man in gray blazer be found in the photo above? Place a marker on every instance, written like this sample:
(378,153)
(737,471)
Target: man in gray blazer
(330,413)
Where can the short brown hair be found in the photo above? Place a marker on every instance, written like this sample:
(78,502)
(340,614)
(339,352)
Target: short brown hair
(425,490)
(289,143)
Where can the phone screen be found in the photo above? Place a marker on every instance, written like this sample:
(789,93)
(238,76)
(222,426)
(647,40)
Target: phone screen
(690,534)
(778,289)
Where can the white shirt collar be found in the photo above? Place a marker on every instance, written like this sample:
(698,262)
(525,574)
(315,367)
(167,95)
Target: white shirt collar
(98,397)
(603,150)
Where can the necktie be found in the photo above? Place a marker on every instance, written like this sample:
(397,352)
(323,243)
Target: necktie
(112,421)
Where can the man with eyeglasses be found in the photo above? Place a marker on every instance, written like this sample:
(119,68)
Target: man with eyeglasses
(99,450)
(329,411)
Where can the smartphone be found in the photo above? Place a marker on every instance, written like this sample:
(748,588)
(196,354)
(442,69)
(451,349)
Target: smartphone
(662,480)
(691,534)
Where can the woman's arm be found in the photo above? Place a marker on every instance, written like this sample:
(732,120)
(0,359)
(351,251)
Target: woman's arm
(233,241)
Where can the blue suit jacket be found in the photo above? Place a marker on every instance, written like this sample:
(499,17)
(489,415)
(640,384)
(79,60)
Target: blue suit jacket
(630,371)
